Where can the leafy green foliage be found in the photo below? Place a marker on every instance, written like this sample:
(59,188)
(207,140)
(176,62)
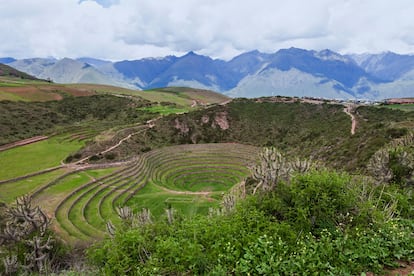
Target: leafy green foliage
(311,226)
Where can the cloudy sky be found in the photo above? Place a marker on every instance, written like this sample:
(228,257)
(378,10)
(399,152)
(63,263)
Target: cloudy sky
(132,29)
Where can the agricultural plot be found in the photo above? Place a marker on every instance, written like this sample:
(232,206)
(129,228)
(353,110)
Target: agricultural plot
(11,190)
(35,157)
(189,178)
(403,107)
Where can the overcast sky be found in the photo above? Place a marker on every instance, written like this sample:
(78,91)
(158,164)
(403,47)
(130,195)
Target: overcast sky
(132,29)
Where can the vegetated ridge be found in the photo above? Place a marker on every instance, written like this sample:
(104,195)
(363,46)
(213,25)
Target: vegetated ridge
(7,71)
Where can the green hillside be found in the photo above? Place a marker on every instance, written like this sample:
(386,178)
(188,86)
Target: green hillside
(7,71)
(320,132)
(174,177)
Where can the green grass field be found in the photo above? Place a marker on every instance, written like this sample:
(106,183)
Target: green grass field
(10,191)
(50,197)
(157,201)
(35,157)
(5,96)
(403,107)
(84,201)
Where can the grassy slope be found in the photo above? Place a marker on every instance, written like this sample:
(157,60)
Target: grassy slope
(34,157)
(7,71)
(320,132)
(10,191)
(403,107)
(177,95)
(157,201)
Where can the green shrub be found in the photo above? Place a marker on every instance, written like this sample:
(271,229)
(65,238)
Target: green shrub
(321,223)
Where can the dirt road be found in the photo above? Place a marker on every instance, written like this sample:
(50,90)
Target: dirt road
(349,109)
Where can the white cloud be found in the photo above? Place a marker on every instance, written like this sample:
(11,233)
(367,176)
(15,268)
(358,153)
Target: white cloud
(130,29)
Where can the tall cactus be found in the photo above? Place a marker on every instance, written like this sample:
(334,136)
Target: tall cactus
(379,166)
(229,203)
(395,162)
(26,225)
(142,218)
(272,169)
(11,264)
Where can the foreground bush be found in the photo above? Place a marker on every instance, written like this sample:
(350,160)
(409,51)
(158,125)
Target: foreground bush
(316,224)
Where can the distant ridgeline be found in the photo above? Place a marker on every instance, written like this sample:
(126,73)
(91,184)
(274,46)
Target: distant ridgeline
(287,72)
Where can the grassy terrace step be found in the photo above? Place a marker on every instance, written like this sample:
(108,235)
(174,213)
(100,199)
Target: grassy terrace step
(216,168)
(92,208)
(137,183)
(75,214)
(81,201)
(183,169)
(106,202)
(63,208)
(74,207)
(10,191)
(34,157)
(208,167)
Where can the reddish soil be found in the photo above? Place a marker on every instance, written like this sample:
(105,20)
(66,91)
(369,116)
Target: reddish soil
(401,101)
(32,93)
(406,269)
(46,92)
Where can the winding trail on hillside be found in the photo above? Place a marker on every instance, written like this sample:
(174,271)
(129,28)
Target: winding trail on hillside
(349,109)
(83,160)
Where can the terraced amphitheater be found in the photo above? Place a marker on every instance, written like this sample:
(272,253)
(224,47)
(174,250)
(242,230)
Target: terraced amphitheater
(188,177)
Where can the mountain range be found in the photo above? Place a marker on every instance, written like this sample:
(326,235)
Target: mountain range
(287,72)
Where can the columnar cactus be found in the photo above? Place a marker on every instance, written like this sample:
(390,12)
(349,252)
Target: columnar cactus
(142,218)
(272,169)
(37,257)
(300,165)
(170,214)
(111,228)
(379,166)
(26,225)
(11,264)
(125,213)
(229,202)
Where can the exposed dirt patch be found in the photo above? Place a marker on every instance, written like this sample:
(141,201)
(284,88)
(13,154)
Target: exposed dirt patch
(221,120)
(205,119)
(350,111)
(183,127)
(405,269)
(33,93)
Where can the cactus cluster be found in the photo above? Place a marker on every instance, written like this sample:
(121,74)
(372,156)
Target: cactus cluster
(395,162)
(130,219)
(274,168)
(26,225)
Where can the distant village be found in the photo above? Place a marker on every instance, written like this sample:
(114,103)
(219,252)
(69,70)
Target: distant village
(312,100)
